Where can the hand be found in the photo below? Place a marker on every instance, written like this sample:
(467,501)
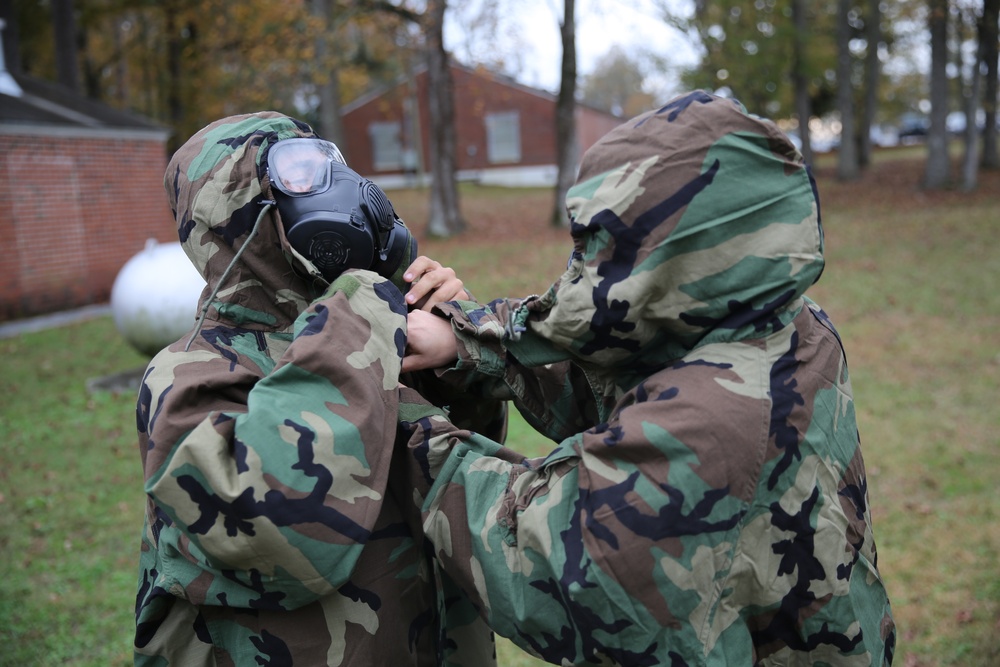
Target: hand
(430,342)
(431,283)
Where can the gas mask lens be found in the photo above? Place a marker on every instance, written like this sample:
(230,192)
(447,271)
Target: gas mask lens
(302,166)
(331,215)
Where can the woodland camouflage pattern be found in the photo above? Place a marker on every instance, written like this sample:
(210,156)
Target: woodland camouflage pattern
(274,534)
(707,504)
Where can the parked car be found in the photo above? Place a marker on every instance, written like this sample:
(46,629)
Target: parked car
(913,129)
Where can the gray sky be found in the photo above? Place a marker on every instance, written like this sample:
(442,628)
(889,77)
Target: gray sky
(527,37)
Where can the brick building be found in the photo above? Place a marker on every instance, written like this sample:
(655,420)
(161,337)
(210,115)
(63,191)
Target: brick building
(505,131)
(81,184)
(81,190)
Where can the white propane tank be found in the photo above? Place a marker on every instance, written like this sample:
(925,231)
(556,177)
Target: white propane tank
(154,299)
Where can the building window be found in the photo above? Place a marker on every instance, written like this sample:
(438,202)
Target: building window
(387,148)
(503,137)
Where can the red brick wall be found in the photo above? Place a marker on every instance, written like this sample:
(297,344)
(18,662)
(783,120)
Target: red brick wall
(591,125)
(357,146)
(73,210)
(476,94)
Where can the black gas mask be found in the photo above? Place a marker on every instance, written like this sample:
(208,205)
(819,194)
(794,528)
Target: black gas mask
(333,216)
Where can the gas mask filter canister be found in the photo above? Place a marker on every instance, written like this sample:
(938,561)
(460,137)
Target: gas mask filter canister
(333,216)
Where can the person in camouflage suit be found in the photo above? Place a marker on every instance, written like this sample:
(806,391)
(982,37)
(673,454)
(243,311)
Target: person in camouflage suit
(706,503)
(273,533)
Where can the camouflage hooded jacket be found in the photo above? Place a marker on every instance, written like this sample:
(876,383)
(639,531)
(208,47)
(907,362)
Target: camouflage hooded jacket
(273,533)
(707,501)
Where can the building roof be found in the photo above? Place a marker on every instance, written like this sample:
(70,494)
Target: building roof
(477,70)
(47,106)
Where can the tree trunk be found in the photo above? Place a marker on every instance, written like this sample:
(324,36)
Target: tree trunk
(92,72)
(847,155)
(800,80)
(10,33)
(327,81)
(444,217)
(64,32)
(988,42)
(121,69)
(873,33)
(175,47)
(937,172)
(970,163)
(566,146)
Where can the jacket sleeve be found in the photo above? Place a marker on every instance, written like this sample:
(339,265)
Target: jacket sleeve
(475,496)
(580,557)
(556,397)
(269,481)
(679,525)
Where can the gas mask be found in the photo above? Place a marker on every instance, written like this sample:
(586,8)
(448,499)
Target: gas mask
(332,216)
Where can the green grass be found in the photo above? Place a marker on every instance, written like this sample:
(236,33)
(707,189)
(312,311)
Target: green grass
(70,499)
(912,283)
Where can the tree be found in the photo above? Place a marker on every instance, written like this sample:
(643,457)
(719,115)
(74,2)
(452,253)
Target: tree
(444,218)
(847,155)
(175,38)
(988,39)
(10,34)
(185,63)
(369,41)
(937,172)
(485,25)
(326,78)
(617,84)
(873,37)
(64,30)
(566,148)
(972,98)
(748,46)
(800,77)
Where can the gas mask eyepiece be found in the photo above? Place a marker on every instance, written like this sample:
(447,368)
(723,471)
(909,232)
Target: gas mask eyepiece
(333,216)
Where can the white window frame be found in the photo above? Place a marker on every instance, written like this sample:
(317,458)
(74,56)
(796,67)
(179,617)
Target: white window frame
(503,137)
(387,145)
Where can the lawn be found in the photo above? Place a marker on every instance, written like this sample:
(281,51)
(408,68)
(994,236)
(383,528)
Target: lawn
(912,283)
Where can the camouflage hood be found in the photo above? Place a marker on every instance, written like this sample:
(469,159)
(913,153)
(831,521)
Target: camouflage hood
(692,224)
(217,189)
